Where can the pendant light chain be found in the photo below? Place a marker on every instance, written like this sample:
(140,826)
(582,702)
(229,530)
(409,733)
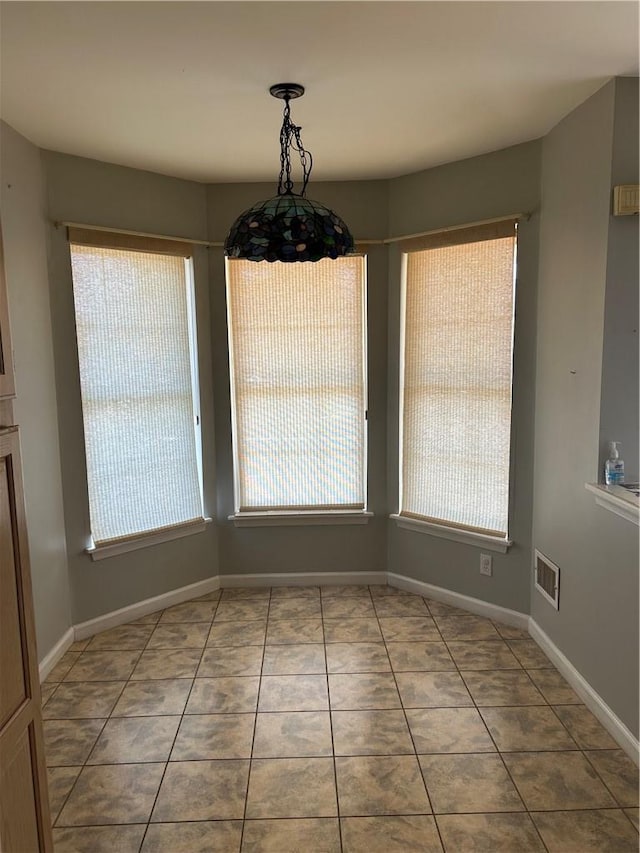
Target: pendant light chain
(290,137)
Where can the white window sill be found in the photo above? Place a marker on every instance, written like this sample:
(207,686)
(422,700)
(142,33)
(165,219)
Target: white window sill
(102,552)
(616,499)
(455,534)
(279,519)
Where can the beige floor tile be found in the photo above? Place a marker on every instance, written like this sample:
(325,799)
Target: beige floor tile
(202,790)
(504,687)
(246,592)
(439,608)
(409,629)
(369,690)
(634,817)
(79,645)
(393,606)
(206,736)
(63,667)
(103,666)
(163,663)
(77,700)
(357,657)
(190,611)
(115,793)
(295,734)
(509,632)
(46,692)
(557,780)
(212,836)
(61,781)
(412,657)
(69,742)
(584,728)
(179,635)
(345,591)
(226,695)
(347,608)
(482,654)
(280,593)
(530,654)
(619,774)
(127,740)
(466,628)
(489,833)
(121,638)
(242,633)
(370,733)
(469,783)
(442,730)
(303,659)
(553,687)
(295,608)
(432,690)
(214,595)
(535,727)
(148,618)
(152,698)
(285,631)
(400,834)
(606,831)
(352,631)
(293,835)
(293,693)
(291,787)
(248,610)
(98,839)
(382,590)
(381,785)
(228,660)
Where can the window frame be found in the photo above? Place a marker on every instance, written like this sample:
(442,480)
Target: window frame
(81,237)
(441,528)
(300,516)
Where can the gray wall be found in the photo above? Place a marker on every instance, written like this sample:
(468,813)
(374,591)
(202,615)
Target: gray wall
(363,205)
(497,184)
(89,192)
(597,552)
(24,231)
(620,381)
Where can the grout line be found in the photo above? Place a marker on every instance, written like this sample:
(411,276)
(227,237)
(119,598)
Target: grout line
(330,710)
(255,722)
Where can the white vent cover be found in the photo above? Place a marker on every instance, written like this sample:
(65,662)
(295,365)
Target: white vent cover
(547,576)
(626,200)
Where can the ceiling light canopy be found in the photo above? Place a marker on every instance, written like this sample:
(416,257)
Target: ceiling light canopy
(289,227)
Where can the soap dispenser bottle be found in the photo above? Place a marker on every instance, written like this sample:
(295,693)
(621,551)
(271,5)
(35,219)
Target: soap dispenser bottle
(614,466)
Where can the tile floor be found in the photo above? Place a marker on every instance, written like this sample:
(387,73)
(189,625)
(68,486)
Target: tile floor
(326,719)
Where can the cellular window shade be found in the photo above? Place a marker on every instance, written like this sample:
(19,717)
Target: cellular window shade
(456,394)
(298,389)
(134,347)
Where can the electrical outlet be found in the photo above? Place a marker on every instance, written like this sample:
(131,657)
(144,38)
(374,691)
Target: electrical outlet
(486,567)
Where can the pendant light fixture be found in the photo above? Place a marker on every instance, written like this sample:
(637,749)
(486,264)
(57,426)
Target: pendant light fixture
(289,227)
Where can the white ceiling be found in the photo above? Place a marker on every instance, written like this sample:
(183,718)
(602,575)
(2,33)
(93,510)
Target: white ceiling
(181,88)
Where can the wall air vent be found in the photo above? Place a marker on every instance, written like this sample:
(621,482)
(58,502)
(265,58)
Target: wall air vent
(547,576)
(626,200)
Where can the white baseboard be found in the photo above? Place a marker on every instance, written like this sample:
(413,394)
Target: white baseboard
(465,602)
(594,702)
(303,579)
(142,608)
(53,655)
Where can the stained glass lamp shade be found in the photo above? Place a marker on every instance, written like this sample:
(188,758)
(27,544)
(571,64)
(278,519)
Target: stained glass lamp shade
(289,227)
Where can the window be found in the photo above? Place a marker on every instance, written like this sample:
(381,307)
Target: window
(456,372)
(135,328)
(297,359)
